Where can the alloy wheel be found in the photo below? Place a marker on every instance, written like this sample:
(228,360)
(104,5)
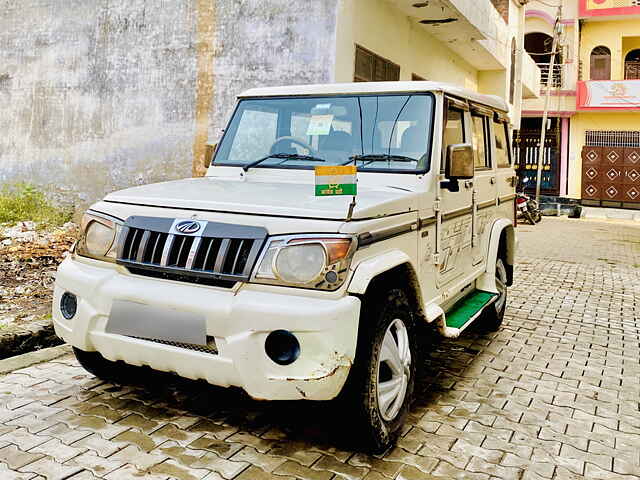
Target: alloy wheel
(394,369)
(501,285)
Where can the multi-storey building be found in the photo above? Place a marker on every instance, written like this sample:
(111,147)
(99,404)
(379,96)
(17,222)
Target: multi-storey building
(130,91)
(592,151)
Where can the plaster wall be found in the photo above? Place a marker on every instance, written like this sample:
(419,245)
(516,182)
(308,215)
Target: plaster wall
(385,30)
(610,34)
(97,96)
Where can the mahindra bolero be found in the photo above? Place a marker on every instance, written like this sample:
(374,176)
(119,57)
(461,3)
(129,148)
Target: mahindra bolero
(334,222)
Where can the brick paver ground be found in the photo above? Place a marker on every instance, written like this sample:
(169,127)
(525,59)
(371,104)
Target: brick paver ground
(553,394)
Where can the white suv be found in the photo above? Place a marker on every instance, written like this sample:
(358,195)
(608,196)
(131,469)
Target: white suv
(251,277)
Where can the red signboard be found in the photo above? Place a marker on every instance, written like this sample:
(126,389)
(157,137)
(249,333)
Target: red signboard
(601,8)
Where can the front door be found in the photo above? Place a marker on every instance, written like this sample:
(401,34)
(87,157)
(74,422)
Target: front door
(456,206)
(527,152)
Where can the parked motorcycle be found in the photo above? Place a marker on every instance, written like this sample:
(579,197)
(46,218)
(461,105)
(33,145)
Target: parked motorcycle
(527,207)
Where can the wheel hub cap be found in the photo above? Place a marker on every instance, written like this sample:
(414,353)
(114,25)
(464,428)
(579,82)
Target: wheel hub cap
(501,285)
(394,369)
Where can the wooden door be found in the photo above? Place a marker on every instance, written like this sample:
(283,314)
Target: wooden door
(592,176)
(631,175)
(612,168)
(611,174)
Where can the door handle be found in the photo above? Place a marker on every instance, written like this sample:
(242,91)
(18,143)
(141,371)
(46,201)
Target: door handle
(493,180)
(468,184)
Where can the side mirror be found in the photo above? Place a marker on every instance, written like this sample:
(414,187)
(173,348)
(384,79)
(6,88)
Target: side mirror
(459,163)
(209,152)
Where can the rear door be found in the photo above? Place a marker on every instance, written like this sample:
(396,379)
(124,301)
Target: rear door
(505,174)
(484,183)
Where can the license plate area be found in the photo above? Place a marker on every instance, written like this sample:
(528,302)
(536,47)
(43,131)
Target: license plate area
(134,319)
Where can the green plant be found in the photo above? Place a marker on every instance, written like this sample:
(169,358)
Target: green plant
(22,202)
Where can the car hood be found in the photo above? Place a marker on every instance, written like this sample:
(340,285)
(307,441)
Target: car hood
(283,199)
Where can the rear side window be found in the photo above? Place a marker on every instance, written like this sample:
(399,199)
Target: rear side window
(480,137)
(502,144)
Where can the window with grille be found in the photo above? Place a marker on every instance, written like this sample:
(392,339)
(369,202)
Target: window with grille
(632,64)
(612,138)
(373,68)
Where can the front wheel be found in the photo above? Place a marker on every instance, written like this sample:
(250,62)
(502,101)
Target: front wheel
(530,217)
(380,387)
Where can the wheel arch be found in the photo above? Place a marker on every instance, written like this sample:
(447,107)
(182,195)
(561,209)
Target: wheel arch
(502,241)
(394,267)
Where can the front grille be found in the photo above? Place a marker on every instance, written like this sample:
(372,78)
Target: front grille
(221,254)
(210,347)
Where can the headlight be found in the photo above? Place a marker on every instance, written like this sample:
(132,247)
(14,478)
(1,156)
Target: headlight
(309,261)
(98,235)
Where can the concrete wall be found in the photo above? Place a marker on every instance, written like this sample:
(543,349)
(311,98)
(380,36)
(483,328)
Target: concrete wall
(96,96)
(270,42)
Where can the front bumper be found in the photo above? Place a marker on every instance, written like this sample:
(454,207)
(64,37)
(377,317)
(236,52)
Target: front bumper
(239,320)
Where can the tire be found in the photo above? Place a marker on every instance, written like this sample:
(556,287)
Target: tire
(386,357)
(493,315)
(104,369)
(537,217)
(529,217)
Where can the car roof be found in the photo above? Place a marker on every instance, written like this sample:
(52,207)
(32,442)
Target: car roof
(377,87)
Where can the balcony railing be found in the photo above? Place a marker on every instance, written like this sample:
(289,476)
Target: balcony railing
(556,76)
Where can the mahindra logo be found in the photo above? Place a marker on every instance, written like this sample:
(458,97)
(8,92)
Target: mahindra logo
(188,227)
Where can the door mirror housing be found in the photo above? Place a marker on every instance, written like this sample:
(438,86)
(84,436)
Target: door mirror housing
(459,164)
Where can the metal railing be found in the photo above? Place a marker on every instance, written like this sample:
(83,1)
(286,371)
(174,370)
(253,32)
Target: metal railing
(632,70)
(556,77)
(612,138)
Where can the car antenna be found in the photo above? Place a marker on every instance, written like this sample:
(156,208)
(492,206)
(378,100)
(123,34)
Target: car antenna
(352,205)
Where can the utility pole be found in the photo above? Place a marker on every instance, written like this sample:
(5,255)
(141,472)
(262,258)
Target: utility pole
(545,113)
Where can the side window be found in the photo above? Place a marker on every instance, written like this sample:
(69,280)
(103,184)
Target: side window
(502,144)
(454,130)
(479,140)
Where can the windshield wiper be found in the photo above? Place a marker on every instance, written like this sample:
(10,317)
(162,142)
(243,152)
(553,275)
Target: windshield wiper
(285,156)
(376,157)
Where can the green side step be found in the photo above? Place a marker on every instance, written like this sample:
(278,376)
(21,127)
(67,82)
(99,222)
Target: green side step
(467,307)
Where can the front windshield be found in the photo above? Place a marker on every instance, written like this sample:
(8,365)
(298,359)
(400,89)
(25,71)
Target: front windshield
(377,132)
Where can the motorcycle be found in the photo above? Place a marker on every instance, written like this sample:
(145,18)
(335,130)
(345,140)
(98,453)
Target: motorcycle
(528,208)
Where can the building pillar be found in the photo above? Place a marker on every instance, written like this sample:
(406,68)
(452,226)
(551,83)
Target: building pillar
(564,154)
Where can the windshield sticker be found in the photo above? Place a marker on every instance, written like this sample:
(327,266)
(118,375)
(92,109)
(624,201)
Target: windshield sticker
(319,125)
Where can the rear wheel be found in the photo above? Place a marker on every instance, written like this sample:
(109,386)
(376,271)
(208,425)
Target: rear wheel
(102,368)
(380,387)
(493,315)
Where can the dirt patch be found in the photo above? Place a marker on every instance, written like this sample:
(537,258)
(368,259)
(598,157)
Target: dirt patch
(29,257)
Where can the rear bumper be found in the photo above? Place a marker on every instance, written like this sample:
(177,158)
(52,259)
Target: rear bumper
(239,320)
